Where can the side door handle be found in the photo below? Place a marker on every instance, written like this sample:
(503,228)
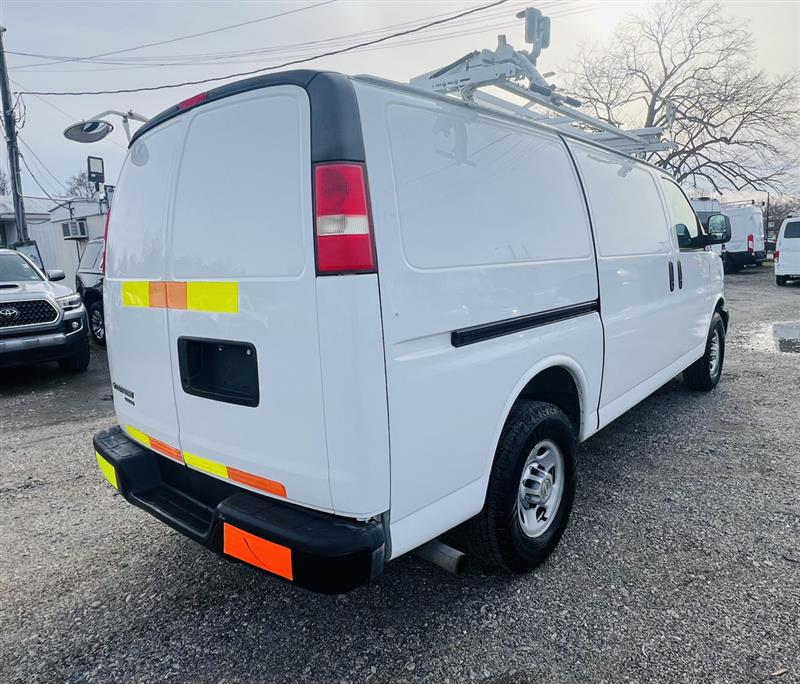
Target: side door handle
(680,275)
(671,277)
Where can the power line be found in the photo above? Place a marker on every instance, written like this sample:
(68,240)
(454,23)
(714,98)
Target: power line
(169,60)
(42,164)
(222,58)
(251,72)
(61,59)
(36,180)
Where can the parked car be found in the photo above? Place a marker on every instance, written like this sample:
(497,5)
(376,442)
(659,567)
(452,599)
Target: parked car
(39,320)
(411,335)
(89,283)
(787,251)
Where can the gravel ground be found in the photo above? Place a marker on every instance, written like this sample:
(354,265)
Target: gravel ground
(681,562)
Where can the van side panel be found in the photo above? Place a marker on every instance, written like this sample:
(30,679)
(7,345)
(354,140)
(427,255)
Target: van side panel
(477,221)
(354,394)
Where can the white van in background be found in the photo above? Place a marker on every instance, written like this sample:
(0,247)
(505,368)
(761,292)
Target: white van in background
(421,306)
(787,251)
(746,246)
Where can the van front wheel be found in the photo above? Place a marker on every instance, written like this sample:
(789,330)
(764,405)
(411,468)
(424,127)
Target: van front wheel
(704,374)
(531,490)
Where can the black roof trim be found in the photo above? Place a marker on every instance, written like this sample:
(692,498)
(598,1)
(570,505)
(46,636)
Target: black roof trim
(335,121)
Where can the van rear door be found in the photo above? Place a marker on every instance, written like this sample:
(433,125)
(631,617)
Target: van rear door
(242,310)
(136,323)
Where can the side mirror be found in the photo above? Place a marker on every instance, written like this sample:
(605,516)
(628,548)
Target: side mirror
(719,229)
(55,274)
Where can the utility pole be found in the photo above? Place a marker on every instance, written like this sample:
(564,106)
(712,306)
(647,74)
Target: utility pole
(10,125)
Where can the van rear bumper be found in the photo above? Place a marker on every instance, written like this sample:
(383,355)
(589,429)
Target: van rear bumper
(317,551)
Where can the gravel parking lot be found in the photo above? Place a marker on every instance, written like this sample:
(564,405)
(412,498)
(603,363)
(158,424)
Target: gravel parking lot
(681,563)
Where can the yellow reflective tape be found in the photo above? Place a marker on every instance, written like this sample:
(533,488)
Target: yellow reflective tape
(108,470)
(218,469)
(136,293)
(138,435)
(219,297)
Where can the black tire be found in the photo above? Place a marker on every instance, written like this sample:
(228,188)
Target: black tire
(781,280)
(495,536)
(727,264)
(699,375)
(79,361)
(98,332)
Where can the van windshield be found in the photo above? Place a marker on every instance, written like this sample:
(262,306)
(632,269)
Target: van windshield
(14,269)
(792,230)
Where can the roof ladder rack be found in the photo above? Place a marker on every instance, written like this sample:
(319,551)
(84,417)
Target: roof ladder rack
(515,72)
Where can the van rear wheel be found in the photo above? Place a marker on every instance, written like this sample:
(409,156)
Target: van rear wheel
(781,280)
(704,374)
(531,490)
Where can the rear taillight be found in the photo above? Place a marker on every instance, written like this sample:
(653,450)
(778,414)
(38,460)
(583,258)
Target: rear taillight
(342,224)
(751,242)
(775,256)
(105,242)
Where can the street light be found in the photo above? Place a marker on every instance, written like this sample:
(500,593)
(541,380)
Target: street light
(96,127)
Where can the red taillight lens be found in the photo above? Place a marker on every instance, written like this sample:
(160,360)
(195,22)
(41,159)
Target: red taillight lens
(193,101)
(750,243)
(343,232)
(105,242)
(776,255)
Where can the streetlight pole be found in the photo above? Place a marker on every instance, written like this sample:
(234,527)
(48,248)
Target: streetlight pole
(11,141)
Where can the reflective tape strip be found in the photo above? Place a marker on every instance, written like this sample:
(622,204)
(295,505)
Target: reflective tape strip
(108,470)
(206,465)
(138,435)
(213,297)
(256,482)
(208,296)
(136,293)
(256,551)
(166,449)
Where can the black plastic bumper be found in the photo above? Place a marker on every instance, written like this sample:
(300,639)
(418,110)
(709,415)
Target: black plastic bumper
(43,347)
(322,552)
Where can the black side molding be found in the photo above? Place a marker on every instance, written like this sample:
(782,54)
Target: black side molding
(487,331)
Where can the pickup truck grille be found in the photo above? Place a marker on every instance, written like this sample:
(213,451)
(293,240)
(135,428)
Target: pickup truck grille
(30,312)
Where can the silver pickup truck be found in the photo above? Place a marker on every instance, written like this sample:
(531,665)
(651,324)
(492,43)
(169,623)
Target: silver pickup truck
(40,320)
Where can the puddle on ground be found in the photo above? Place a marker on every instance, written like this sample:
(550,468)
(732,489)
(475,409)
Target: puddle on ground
(787,337)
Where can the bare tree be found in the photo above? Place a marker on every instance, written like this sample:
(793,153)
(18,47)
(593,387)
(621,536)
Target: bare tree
(80,187)
(5,186)
(687,67)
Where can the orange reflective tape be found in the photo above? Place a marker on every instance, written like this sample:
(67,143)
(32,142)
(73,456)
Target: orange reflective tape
(256,551)
(166,449)
(256,482)
(176,295)
(158,294)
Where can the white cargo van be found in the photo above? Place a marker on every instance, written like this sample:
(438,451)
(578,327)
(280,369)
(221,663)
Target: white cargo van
(345,317)
(787,251)
(746,246)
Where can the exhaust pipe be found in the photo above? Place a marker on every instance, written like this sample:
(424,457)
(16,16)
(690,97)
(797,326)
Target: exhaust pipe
(446,557)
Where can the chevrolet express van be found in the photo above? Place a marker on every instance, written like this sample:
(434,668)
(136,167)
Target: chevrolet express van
(746,246)
(787,251)
(345,316)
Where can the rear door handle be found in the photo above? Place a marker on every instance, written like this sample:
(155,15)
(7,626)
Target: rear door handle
(671,277)
(680,275)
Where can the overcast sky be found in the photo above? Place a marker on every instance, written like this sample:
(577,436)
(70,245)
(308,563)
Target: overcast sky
(82,29)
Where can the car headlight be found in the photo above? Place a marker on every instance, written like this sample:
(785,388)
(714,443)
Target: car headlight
(69,302)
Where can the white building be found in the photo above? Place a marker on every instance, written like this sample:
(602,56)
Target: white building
(37,212)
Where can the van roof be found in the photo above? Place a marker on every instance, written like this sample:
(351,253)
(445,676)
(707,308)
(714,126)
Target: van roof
(335,121)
